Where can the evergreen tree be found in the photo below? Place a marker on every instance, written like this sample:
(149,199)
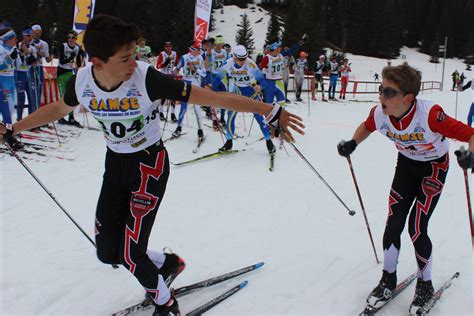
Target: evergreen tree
(244,35)
(274,27)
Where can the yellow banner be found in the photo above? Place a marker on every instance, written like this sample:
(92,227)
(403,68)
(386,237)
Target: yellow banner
(83,13)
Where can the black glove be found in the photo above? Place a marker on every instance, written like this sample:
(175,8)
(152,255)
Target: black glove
(303,39)
(8,137)
(345,149)
(14,54)
(465,158)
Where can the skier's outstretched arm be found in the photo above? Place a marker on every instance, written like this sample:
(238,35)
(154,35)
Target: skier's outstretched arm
(44,115)
(275,115)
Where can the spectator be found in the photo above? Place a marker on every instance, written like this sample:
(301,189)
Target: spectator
(299,68)
(455,76)
(376,77)
(345,70)
(9,60)
(468,85)
(333,75)
(26,73)
(43,52)
(70,56)
(320,66)
(288,61)
(143,52)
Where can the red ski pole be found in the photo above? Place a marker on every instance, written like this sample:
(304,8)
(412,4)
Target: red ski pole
(362,207)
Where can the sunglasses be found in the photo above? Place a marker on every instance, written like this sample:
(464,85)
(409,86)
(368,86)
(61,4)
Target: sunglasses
(72,37)
(389,92)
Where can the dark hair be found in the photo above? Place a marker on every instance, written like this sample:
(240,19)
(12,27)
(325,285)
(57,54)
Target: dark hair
(106,34)
(73,32)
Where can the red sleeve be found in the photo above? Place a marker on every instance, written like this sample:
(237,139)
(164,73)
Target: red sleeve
(159,62)
(370,121)
(263,62)
(440,122)
(176,60)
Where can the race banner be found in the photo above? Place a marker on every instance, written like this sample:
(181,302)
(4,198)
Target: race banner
(83,13)
(202,15)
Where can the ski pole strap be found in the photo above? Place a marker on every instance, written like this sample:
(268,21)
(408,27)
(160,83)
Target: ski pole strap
(272,119)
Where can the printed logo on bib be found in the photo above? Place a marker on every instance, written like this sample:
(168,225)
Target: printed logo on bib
(133,92)
(88,93)
(406,137)
(113,105)
(419,129)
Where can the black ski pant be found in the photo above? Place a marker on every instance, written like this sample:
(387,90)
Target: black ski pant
(132,190)
(416,185)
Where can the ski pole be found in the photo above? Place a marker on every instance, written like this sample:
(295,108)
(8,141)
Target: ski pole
(309,91)
(57,135)
(456,107)
(363,208)
(469,209)
(251,124)
(216,121)
(52,196)
(351,212)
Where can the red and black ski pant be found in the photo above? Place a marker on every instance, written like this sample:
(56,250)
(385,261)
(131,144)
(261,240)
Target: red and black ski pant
(415,191)
(132,190)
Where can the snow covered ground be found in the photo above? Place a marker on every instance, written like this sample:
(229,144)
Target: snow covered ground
(224,214)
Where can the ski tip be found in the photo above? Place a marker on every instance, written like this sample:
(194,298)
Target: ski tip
(259,265)
(243,284)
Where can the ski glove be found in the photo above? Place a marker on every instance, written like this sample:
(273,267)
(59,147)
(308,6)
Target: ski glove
(465,158)
(14,54)
(303,39)
(273,118)
(345,149)
(8,137)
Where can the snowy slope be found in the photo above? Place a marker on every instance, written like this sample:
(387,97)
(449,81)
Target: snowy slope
(232,212)
(226,23)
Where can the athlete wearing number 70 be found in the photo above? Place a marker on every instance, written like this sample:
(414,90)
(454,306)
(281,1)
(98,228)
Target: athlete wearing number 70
(272,66)
(120,93)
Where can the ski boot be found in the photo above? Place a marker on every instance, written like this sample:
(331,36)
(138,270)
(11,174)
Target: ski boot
(382,293)
(162,117)
(173,118)
(200,135)
(222,121)
(72,121)
(423,293)
(169,309)
(63,121)
(300,100)
(227,146)
(177,132)
(271,148)
(172,267)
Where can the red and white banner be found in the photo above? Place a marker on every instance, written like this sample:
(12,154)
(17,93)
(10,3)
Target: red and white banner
(202,16)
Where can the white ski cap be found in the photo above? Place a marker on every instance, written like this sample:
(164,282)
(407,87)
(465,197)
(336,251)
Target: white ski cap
(240,51)
(36,27)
